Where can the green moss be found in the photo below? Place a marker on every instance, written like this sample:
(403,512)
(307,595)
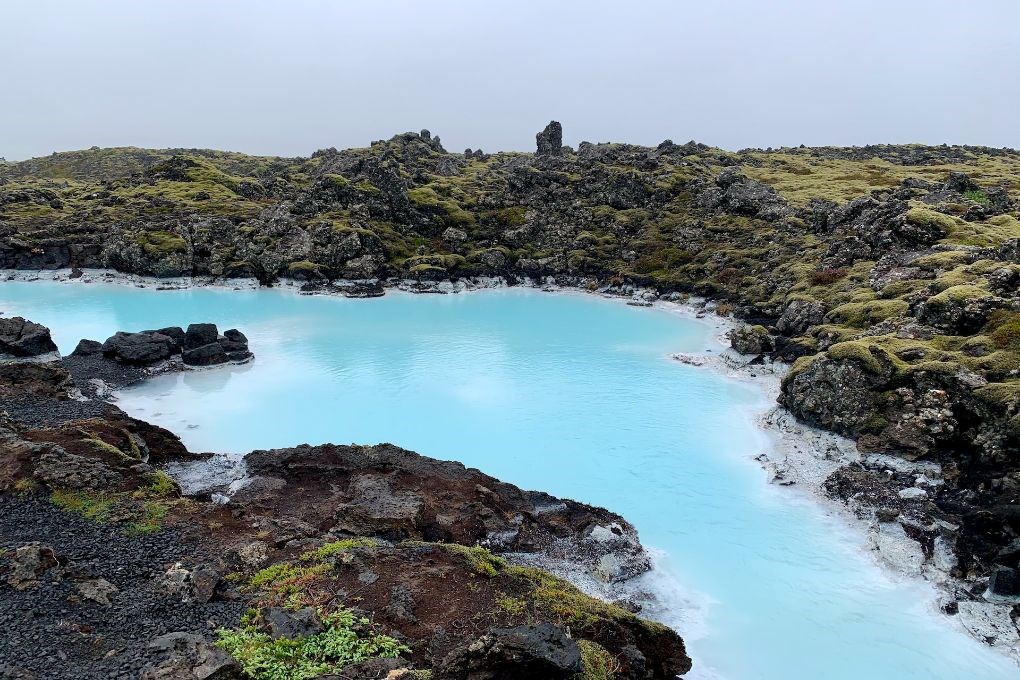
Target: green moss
(104,447)
(150,520)
(334,548)
(345,639)
(511,605)
(596,661)
(1006,330)
(426,197)
(943,260)
(94,505)
(864,314)
(159,244)
(958,294)
(159,485)
(1001,394)
(480,559)
(862,352)
(281,574)
(508,217)
(302,266)
(925,217)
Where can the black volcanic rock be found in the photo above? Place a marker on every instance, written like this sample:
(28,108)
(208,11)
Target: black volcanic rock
(550,140)
(205,355)
(542,651)
(199,334)
(21,338)
(147,347)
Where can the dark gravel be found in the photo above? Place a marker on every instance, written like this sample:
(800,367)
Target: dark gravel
(50,632)
(39,411)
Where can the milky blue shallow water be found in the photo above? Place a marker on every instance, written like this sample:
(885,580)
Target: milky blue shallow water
(570,394)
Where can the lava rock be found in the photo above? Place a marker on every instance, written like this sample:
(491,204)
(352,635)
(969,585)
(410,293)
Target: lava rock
(191,656)
(22,338)
(542,651)
(143,348)
(282,623)
(799,316)
(205,355)
(550,140)
(30,562)
(1004,581)
(87,348)
(750,340)
(200,334)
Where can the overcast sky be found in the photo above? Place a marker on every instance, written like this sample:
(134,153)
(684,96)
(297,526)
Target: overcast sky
(291,77)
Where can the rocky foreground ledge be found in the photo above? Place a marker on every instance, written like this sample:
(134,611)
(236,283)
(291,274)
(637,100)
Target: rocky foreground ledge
(310,562)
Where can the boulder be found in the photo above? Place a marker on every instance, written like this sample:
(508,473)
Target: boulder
(87,348)
(799,316)
(282,623)
(541,651)
(97,590)
(143,348)
(550,140)
(839,394)
(234,340)
(189,656)
(747,339)
(1004,582)
(192,585)
(205,355)
(22,338)
(174,332)
(30,562)
(200,334)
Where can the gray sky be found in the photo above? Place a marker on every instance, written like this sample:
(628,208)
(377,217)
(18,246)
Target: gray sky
(291,77)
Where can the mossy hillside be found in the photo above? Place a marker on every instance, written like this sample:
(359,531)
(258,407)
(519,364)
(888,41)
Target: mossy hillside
(803,174)
(614,213)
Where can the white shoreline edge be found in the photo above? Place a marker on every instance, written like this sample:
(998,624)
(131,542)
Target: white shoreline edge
(800,456)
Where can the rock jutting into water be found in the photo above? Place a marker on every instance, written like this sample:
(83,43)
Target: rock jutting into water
(410,544)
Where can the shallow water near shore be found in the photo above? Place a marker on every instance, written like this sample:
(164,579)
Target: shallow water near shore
(567,393)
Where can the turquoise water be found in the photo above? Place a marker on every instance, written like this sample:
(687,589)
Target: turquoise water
(570,394)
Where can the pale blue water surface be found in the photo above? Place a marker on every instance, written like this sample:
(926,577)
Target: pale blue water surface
(567,393)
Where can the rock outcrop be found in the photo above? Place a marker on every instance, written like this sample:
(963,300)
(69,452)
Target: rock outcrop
(21,338)
(550,140)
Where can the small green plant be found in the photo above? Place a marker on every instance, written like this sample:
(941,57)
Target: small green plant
(977,196)
(596,661)
(346,639)
(160,485)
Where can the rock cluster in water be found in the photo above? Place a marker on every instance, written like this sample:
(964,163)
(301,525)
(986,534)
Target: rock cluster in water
(200,345)
(108,569)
